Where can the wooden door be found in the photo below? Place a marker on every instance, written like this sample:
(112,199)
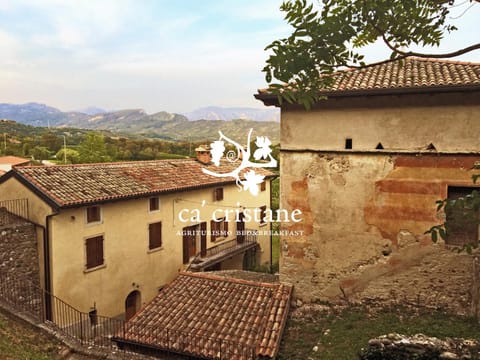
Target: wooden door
(132,304)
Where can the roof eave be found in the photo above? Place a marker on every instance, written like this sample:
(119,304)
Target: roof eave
(270,99)
(24,181)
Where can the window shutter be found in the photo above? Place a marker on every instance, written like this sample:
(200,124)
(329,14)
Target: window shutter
(155,235)
(203,239)
(94,250)
(213,230)
(218,194)
(186,257)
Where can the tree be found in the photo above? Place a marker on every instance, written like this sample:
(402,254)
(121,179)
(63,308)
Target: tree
(328,39)
(72,156)
(93,149)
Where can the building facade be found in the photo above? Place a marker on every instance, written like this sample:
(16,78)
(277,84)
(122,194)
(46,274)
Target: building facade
(111,235)
(366,167)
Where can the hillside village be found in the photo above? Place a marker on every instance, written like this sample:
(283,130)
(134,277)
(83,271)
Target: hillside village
(155,257)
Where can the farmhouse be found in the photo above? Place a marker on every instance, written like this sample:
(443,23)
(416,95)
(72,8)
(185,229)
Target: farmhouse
(365,167)
(107,237)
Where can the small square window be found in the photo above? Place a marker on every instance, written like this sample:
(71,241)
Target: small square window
(154,203)
(94,252)
(155,235)
(93,214)
(218,194)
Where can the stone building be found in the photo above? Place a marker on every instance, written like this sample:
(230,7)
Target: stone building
(366,167)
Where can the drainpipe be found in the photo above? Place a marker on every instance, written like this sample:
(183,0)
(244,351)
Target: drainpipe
(47,267)
(271,235)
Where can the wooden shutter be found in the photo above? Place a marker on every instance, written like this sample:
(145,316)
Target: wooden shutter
(263,210)
(94,249)
(93,214)
(213,230)
(203,239)
(218,194)
(155,235)
(186,257)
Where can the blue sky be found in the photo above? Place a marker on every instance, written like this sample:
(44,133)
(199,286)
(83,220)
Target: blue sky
(172,55)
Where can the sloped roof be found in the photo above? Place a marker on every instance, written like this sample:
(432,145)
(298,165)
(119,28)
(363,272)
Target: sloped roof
(73,185)
(202,314)
(411,74)
(13,160)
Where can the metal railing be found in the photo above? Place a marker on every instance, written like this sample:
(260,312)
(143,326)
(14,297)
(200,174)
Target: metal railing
(87,328)
(92,330)
(17,207)
(249,236)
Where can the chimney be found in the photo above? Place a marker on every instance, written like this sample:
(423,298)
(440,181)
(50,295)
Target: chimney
(203,154)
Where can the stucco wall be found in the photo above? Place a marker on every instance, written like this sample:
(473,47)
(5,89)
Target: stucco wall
(365,211)
(129,265)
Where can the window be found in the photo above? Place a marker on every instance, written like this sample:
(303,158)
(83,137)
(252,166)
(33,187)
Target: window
(263,186)
(462,223)
(155,235)
(263,211)
(94,251)
(348,143)
(154,203)
(94,214)
(219,229)
(218,194)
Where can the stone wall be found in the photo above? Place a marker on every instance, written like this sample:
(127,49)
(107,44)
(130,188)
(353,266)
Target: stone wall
(19,267)
(420,347)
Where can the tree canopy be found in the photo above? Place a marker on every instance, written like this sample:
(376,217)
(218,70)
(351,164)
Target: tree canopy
(330,37)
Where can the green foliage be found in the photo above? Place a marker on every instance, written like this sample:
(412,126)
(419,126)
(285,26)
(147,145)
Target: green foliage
(72,156)
(341,334)
(40,153)
(460,214)
(326,38)
(93,149)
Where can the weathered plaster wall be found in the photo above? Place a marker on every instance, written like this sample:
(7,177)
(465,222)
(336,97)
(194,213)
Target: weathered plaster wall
(365,210)
(363,219)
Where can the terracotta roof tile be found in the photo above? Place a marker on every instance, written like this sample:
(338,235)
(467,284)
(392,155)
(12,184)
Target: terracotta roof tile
(203,315)
(411,74)
(70,185)
(13,160)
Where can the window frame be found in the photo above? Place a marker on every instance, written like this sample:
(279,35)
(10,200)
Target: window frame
(94,265)
(457,236)
(160,246)
(156,202)
(93,221)
(218,194)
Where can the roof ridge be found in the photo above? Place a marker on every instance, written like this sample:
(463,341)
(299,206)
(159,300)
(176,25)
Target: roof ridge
(111,163)
(210,276)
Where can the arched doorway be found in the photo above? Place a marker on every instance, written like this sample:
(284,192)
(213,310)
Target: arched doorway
(132,304)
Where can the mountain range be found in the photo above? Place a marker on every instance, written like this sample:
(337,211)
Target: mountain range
(163,125)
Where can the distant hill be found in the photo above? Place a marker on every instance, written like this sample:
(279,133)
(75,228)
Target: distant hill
(161,125)
(92,110)
(244,113)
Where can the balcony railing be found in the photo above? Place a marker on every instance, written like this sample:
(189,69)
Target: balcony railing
(216,254)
